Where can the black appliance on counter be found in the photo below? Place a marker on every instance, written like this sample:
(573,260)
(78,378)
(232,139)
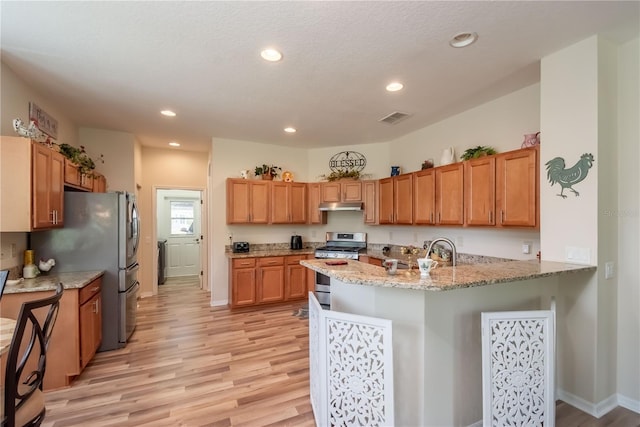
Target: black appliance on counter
(338,246)
(240,247)
(296,242)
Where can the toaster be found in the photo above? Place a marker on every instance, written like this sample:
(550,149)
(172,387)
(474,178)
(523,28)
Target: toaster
(239,247)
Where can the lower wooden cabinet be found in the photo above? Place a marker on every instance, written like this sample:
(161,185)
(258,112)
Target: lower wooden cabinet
(90,321)
(263,280)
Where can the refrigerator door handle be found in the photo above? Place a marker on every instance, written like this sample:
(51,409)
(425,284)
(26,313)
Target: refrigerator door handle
(132,268)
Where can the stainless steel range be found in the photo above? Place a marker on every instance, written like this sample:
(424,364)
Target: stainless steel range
(342,245)
(338,245)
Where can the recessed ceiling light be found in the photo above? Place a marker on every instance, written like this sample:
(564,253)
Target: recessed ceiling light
(290,130)
(168,113)
(174,144)
(463,39)
(394,86)
(271,55)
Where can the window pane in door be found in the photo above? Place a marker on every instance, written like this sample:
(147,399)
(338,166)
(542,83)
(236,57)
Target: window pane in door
(182,215)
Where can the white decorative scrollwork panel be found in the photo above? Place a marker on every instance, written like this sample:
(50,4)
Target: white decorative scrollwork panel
(518,368)
(354,372)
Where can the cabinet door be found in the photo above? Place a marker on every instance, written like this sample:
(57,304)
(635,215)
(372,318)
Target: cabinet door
(260,196)
(296,282)
(385,206)
(351,191)
(298,203)
(480,191)
(280,201)
(370,201)
(90,329)
(270,284)
(100,184)
(243,287)
(449,194)
(86,181)
(71,173)
(48,187)
(331,192)
(316,216)
(403,199)
(424,197)
(517,188)
(237,201)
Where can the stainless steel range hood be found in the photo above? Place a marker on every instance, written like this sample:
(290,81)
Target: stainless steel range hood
(342,206)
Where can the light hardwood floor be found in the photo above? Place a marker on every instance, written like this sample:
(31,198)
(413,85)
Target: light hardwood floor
(189,364)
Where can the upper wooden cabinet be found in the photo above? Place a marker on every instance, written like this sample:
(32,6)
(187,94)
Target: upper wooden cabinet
(395,200)
(341,191)
(424,197)
(449,194)
(370,201)
(517,189)
(315,215)
(480,191)
(34,200)
(248,201)
(75,179)
(288,203)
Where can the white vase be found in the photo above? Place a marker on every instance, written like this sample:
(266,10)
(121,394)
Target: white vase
(447,156)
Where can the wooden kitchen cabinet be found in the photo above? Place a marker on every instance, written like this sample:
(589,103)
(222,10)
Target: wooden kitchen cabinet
(315,216)
(76,334)
(90,321)
(341,191)
(449,194)
(288,203)
(295,286)
(74,178)
(99,183)
(424,197)
(396,200)
(248,201)
(270,279)
(242,282)
(517,188)
(480,191)
(370,200)
(34,200)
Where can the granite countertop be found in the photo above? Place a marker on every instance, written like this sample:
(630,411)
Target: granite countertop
(444,278)
(270,252)
(73,280)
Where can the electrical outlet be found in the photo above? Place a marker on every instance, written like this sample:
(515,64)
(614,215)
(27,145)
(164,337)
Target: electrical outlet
(577,255)
(13,250)
(609,270)
(390,236)
(526,247)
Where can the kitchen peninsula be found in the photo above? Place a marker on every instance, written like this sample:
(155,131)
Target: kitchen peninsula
(77,332)
(436,325)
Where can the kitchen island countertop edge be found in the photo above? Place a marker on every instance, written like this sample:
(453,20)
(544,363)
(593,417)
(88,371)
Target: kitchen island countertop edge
(43,283)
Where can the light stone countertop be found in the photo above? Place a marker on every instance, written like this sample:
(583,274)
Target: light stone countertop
(444,278)
(73,280)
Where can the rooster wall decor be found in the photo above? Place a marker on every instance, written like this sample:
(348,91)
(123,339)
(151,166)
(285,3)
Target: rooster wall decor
(567,178)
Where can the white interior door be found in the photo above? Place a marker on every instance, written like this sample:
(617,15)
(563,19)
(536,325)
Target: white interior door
(179,222)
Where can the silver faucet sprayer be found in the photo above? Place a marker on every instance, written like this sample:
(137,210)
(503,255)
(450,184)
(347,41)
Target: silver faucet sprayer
(454,255)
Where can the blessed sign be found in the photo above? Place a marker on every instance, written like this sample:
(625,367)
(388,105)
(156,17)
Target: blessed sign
(347,161)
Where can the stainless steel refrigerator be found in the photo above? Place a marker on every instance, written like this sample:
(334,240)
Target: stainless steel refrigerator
(101,232)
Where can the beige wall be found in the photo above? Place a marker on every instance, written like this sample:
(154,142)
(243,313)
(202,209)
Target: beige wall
(15,96)
(628,216)
(164,168)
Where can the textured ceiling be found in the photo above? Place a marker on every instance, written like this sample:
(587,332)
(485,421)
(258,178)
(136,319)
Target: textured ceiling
(114,65)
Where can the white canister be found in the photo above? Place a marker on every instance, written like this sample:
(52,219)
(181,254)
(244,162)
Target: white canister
(447,157)
(30,271)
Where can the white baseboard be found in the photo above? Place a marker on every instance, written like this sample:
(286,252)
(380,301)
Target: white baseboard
(145,294)
(217,303)
(630,404)
(601,408)
(476,424)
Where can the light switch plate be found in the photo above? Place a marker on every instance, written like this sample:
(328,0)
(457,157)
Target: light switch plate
(577,255)
(609,270)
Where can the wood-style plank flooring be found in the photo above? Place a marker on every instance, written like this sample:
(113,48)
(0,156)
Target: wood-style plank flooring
(189,364)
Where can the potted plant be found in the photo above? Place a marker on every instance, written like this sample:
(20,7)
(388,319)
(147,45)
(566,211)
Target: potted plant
(479,151)
(267,171)
(78,156)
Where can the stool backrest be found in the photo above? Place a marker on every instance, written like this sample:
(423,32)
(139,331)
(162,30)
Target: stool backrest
(4,275)
(26,360)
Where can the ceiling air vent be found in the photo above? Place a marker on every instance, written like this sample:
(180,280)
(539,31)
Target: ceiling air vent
(394,117)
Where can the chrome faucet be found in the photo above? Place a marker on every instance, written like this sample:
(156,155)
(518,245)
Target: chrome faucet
(453,248)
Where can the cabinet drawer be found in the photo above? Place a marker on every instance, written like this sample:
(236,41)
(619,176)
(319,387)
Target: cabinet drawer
(295,259)
(90,290)
(270,260)
(244,263)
